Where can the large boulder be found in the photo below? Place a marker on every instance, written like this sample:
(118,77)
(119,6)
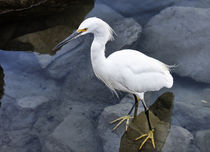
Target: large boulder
(180,36)
(143,10)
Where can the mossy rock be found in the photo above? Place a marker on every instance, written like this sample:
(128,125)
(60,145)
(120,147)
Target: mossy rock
(160,117)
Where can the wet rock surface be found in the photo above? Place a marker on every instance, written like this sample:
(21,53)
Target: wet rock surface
(202,140)
(179,139)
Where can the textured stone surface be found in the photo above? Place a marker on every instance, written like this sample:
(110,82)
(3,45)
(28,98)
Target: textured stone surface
(75,133)
(143,10)
(180,36)
(178,140)
(111,139)
(202,140)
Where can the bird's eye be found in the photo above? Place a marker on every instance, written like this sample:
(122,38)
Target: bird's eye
(85,29)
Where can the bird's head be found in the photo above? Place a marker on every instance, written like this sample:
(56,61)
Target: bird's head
(98,27)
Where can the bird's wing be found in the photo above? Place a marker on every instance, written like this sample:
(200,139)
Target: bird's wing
(137,62)
(131,67)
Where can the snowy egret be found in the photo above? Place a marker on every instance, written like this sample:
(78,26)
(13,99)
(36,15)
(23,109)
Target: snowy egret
(125,70)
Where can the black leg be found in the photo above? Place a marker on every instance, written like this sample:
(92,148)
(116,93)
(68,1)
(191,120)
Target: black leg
(131,109)
(136,106)
(146,109)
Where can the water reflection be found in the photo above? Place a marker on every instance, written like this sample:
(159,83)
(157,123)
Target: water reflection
(1,83)
(160,117)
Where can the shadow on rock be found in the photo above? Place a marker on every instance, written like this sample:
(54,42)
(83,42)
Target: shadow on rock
(1,83)
(160,117)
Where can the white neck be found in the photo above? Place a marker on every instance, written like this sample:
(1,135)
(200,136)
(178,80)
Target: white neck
(98,58)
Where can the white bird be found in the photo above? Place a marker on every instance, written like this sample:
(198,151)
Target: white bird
(125,70)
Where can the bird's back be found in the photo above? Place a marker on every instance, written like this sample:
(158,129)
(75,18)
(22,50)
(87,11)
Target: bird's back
(135,72)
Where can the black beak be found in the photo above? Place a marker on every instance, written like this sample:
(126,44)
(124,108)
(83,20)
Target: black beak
(67,40)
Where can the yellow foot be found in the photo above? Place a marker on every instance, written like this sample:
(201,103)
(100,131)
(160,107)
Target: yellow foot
(148,136)
(122,119)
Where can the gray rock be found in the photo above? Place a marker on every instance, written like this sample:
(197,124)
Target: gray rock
(178,140)
(180,36)
(24,76)
(20,140)
(191,105)
(111,139)
(142,10)
(202,140)
(191,117)
(75,133)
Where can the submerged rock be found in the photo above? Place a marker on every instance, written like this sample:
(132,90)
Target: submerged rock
(111,139)
(190,97)
(178,139)
(24,77)
(202,140)
(180,36)
(75,133)
(143,10)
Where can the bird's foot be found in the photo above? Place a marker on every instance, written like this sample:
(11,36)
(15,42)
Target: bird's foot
(148,136)
(122,119)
